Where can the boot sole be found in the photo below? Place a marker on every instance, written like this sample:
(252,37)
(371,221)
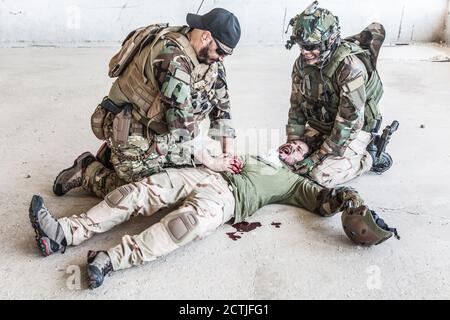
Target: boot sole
(95,277)
(44,246)
(36,205)
(44,243)
(58,191)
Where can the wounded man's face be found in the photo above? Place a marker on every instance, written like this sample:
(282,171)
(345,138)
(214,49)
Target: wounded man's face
(292,152)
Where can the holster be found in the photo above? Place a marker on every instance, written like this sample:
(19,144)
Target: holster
(121,125)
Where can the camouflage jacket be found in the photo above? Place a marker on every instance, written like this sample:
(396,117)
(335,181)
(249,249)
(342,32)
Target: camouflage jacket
(186,106)
(333,106)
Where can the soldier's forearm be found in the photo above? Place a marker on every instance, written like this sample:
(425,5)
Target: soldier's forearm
(292,137)
(294,131)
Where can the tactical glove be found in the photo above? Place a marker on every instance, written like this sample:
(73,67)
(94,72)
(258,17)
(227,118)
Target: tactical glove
(306,165)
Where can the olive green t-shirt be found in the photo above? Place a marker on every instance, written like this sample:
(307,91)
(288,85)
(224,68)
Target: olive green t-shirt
(261,183)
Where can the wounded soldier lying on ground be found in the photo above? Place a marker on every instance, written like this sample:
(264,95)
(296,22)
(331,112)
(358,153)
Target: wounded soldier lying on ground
(201,201)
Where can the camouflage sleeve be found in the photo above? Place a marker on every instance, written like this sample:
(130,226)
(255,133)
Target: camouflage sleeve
(350,79)
(296,119)
(220,115)
(172,70)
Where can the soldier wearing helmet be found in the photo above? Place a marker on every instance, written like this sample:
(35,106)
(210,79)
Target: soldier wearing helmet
(334,100)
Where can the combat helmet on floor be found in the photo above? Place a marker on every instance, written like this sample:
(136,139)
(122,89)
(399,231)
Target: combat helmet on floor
(364,227)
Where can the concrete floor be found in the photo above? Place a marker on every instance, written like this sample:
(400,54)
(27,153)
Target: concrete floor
(47,95)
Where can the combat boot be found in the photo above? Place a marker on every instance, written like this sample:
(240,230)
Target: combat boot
(49,234)
(72,177)
(99,266)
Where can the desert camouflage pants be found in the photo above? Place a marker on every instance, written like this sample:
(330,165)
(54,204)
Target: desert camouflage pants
(200,198)
(337,170)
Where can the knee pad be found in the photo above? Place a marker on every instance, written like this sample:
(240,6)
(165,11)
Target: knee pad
(181,225)
(116,197)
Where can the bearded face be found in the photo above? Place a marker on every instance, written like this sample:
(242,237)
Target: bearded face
(292,152)
(203,55)
(211,53)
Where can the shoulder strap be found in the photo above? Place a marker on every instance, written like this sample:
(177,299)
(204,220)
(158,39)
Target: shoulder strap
(177,35)
(344,50)
(185,45)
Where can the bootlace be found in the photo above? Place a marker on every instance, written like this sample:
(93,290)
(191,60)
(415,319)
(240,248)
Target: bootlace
(73,183)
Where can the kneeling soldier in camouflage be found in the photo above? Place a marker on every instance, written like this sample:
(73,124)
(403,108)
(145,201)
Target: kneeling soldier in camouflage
(201,201)
(335,97)
(169,79)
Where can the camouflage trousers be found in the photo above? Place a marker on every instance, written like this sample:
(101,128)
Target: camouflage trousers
(200,198)
(100,180)
(139,158)
(337,170)
(132,162)
(136,159)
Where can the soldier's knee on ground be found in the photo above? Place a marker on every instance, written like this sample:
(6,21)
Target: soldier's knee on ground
(119,195)
(100,180)
(182,225)
(104,156)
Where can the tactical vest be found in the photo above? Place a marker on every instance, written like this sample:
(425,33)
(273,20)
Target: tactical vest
(132,85)
(322,95)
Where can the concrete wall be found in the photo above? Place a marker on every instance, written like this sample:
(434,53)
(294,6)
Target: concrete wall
(102,22)
(447,24)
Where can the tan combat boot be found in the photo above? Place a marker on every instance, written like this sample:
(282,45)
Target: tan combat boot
(72,177)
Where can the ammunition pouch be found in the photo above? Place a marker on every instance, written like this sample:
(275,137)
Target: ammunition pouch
(98,118)
(372,114)
(97,121)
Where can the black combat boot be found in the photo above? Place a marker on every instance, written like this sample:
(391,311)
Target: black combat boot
(72,177)
(99,266)
(49,234)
